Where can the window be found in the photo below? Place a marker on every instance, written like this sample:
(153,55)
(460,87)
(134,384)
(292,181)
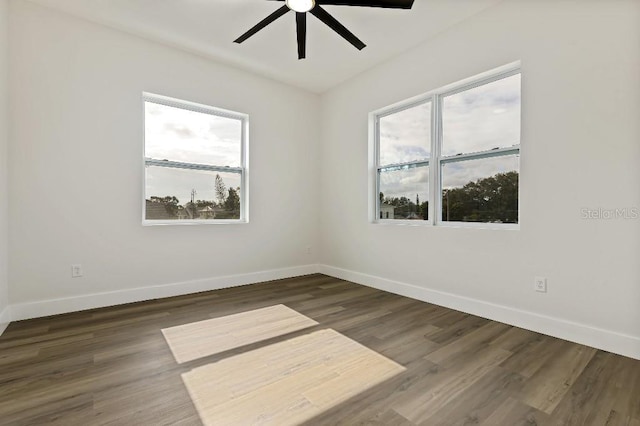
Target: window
(451,156)
(195,160)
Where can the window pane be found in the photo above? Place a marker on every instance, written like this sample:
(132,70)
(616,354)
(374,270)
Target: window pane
(484,190)
(186,136)
(405,136)
(482,118)
(404,193)
(170,191)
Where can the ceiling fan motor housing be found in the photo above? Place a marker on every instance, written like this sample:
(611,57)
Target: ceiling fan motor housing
(301,7)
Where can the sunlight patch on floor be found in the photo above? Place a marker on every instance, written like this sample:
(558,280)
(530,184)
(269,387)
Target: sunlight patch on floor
(286,383)
(196,340)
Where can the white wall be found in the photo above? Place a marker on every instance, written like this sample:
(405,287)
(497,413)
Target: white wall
(4,140)
(580,149)
(75,172)
(76,169)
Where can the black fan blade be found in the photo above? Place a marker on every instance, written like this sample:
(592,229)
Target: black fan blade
(336,26)
(301,28)
(388,4)
(266,21)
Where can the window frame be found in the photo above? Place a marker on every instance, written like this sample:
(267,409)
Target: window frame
(412,103)
(436,159)
(242,170)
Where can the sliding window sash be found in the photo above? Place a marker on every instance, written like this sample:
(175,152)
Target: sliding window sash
(192,166)
(498,152)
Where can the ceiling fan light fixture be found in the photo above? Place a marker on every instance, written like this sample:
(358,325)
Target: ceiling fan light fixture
(300,5)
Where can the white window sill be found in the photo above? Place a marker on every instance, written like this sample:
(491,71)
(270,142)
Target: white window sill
(464,225)
(193,222)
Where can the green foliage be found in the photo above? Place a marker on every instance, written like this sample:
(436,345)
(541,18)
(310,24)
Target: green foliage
(492,199)
(232,203)
(424,210)
(221,190)
(170,203)
(202,204)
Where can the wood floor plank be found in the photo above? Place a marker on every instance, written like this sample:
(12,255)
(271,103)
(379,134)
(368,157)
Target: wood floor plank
(548,386)
(389,417)
(18,355)
(453,382)
(468,343)
(515,339)
(458,329)
(628,402)
(409,345)
(513,412)
(479,401)
(76,410)
(590,399)
(531,354)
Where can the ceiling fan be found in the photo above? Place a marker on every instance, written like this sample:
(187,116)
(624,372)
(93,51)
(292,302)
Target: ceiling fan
(301,7)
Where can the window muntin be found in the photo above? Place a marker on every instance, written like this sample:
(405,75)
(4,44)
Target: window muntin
(473,158)
(403,158)
(195,159)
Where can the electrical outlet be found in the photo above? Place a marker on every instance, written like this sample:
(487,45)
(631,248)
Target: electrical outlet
(308,249)
(76,271)
(540,284)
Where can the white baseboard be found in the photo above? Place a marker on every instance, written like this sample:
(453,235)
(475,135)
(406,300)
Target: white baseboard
(5,319)
(607,340)
(43,308)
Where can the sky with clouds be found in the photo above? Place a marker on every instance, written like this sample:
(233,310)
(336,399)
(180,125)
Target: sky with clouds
(186,136)
(475,120)
(479,119)
(406,135)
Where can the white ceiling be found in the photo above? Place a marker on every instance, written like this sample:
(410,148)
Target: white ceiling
(208,28)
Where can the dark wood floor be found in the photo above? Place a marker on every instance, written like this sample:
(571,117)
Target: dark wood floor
(113,366)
